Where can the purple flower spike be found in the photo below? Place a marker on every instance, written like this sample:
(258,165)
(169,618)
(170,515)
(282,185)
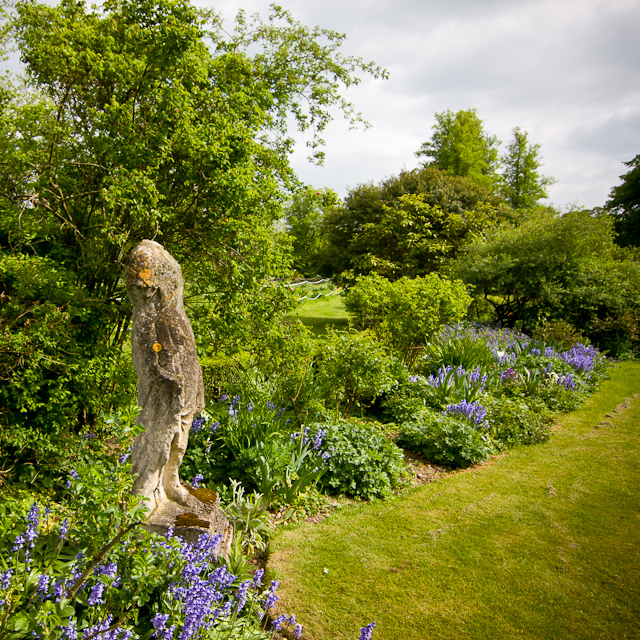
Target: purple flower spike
(197,480)
(271,598)
(277,623)
(70,631)
(18,543)
(159,622)
(95,597)
(365,632)
(196,425)
(43,585)
(5,579)
(64,528)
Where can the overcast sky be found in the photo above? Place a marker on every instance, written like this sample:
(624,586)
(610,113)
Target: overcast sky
(566,71)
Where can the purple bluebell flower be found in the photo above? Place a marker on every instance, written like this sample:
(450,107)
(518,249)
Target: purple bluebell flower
(249,407)
(277,623)
(271,597)
(5,579)
(196,425)
(95,597)
(159,622)
(197,480)
(224,397)
(70,632)
(413,378)
(18,543)
(123,458)
(473,411)
(110,569)
(298,631)
(242,594)
(270,405)
(257,577)
(58,590)
(233,412)
(318,438)
(365,632)
(43,585)
(213,427)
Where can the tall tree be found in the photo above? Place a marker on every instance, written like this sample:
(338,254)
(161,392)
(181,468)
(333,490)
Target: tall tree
(145,119)
(305,214)
(461,147)
(624,204)
(409,224)
(521,183)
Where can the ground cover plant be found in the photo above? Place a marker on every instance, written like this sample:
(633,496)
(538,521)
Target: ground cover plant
(541,543)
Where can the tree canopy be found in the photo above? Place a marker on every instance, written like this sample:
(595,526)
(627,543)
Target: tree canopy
(461,147)
(624,205)
(408,225)
(557,268)
(521,183)
(146,119)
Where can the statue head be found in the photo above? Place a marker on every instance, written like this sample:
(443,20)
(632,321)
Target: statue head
(153,276)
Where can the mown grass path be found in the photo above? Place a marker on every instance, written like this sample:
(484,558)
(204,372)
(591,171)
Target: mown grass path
(541,542)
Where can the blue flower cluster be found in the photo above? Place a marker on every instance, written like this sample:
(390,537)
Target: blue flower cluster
(472,411)
(202,594)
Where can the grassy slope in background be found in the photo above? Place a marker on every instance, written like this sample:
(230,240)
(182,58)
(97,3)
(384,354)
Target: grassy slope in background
(542,542)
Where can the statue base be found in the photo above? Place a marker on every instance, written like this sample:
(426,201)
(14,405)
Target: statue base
(189,523)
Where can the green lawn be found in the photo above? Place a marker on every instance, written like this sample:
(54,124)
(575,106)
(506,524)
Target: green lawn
(322,313)
(541,542)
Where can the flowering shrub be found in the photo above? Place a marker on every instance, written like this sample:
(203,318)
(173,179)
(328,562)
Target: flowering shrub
(363,463)
(447,440)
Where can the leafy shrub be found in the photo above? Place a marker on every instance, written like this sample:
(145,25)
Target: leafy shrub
(363,462)
(58,372)
(513,421)
(559,333)
(353,369)
(405,314)
(446,440)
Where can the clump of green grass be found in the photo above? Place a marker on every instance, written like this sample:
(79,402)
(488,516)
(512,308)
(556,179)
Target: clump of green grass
(542,542)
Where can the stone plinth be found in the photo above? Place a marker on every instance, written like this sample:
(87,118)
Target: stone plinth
(189,523)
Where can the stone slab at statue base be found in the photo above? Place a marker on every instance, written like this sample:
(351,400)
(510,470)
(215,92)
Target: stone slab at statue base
(189,523)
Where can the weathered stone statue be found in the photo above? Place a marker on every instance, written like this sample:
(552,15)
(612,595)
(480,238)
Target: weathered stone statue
(170,389)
